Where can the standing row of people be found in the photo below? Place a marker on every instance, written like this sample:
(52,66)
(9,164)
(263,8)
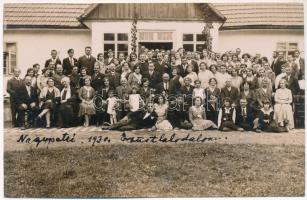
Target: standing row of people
(207,92)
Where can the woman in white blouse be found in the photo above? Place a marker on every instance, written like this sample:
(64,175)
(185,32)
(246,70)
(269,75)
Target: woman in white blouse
(283,110)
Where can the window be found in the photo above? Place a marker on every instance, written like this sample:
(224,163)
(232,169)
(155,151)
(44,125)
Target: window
(288,48)
(193,42)
(117,42)
(9,58)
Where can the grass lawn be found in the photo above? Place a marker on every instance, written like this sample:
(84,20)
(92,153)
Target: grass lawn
(195,170)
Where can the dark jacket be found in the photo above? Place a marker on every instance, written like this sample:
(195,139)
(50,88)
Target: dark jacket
(67,67)
(58,61)
(12,86)
(154,79)
(87,63)
(247,119)
(233,94)
(137,118)
(23,96)
(97,80)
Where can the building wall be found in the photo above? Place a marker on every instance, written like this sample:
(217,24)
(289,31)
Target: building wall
(178,29)
(258,41)
(34,46)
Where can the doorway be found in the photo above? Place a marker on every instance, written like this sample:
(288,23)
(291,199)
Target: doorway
(156,45)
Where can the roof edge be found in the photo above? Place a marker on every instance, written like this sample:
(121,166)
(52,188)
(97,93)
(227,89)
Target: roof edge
(216,11)
(12,26)
(223,28)
(87,12)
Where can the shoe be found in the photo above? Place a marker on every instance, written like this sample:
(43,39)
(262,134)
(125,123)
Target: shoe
(258,130)
(23,128)
(240,129)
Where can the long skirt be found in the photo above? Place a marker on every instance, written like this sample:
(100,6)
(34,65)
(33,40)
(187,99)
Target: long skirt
(201,124)
(284,112)
(164,125)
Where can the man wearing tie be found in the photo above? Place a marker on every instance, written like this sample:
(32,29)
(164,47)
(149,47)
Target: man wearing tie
(27,102)
(152,75)
(87,61)
(12,85)
(244,116)
(54,60)
(69,62)
(182,69)
(164,85)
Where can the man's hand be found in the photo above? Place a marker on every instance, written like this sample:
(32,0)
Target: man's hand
(49,101)
(63,101)
(33,104)
(24,106)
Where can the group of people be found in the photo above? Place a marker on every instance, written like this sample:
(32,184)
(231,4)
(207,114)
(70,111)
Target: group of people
(159,90)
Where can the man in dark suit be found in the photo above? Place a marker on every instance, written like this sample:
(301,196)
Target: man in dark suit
(87,61)
(152,75)
(142,64)
(244,116)
(140,119)
(110,58)
(97,78)
(292,82)
(277,63)
(187,91)
(164,85)
(300,63)
(27,103)
(231,92)
(161,67)
(12,86)
(67,117)
(113,76)
(69,62)
(182,69)
(263,94)
(53,60)
(122,93)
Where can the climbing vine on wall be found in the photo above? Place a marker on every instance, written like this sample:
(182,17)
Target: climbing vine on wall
(134,34)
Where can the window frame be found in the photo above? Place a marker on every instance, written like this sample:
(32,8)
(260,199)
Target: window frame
(287,49)
(9,68)
(194,42)
(115,42)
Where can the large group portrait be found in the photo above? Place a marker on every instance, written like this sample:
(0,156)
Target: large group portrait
(153,99)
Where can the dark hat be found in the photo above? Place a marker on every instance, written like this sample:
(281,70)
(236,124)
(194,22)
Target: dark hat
(246,54)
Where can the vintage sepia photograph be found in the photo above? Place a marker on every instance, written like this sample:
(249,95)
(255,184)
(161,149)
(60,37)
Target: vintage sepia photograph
(153,99)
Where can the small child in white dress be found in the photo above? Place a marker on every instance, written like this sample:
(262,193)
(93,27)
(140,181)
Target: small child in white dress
(111,109)
(198,91)
(134,99)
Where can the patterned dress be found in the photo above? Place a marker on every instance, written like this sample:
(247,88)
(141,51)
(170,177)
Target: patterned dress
(162,123)
(198,119)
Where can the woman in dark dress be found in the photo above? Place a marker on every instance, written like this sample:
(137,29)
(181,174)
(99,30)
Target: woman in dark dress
(266,120)
(248,94)
(213,90)
(251,79)
(49,97)
(175,82)
(145,91)
(82,77)
(212,109)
